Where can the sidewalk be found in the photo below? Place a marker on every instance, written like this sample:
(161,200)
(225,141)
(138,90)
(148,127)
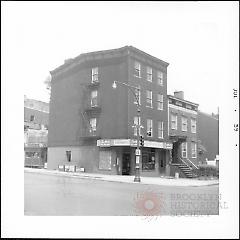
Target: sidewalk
(163,181)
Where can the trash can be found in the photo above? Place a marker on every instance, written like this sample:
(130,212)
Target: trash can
(176,175)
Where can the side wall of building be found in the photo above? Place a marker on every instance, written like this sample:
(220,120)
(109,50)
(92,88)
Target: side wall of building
(70,96)
(208,134)
(86,157)
(39,116)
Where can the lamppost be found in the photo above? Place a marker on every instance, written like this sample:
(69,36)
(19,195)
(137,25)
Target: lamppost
(138,152)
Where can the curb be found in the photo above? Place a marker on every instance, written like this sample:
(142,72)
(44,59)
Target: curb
(46,172)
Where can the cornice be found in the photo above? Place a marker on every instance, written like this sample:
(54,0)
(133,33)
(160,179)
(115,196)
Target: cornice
(107,54)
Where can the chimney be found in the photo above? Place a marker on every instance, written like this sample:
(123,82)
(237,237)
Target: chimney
(179,94)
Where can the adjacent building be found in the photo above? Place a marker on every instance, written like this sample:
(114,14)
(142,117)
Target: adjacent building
(93,126)
(36,115)
(208,135)
(182,131)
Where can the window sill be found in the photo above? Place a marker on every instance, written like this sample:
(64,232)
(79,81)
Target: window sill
(149,107)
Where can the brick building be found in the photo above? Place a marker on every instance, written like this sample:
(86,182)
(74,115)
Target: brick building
(36,115)
(91,125)
(182,131)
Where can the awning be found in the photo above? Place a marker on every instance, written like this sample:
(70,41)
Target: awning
(132,143)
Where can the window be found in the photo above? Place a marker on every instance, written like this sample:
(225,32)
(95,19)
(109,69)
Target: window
(135,123)
(105,160)
(94,98)
(137,67)
(184,124)
(160,129)
(69,155)
(160,78)
(149,74)
(139,96)
(193,125)
(149,127)
(95,74)
(149,99)
(93,125)
(148,160)
(194,149)
(31,118)
(174,121)
(184,150)
(160,102)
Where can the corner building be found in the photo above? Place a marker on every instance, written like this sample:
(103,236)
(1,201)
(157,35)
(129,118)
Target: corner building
(92,125)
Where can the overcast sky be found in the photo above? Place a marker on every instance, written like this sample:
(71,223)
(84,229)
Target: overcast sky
(194,37)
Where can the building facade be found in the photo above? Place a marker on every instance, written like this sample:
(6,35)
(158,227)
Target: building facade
(208,135)
(182,130)
(35,132)
(93,126)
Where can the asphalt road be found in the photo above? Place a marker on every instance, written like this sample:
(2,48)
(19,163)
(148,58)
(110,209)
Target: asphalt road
(49,195)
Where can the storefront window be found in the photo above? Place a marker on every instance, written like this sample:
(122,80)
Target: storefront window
(148,160)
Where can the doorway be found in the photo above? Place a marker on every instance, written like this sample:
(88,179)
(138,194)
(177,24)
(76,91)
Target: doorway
(162,161)
(175,152)
(126,164)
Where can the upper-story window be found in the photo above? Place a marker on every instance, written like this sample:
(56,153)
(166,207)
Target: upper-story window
(135,123)
(159,101)
(149,127)
(184,124)
(95,74)
(174,121)
(137,68)
(160,78)
(149,98)
(138,96)
(160,129)
(194,149)
(149,74)
(94,101)
(193,125)
(93,125)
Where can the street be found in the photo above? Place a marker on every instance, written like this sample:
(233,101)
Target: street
(49,195)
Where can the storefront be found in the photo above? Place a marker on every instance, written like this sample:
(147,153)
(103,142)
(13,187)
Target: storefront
(118,155)
(35,155)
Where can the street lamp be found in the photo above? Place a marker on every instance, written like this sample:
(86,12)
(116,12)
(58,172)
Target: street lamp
(138,152)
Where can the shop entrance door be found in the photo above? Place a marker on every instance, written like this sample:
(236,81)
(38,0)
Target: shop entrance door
(162,161)
(126,164)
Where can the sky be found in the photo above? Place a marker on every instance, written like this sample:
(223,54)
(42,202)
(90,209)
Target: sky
(193,37)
